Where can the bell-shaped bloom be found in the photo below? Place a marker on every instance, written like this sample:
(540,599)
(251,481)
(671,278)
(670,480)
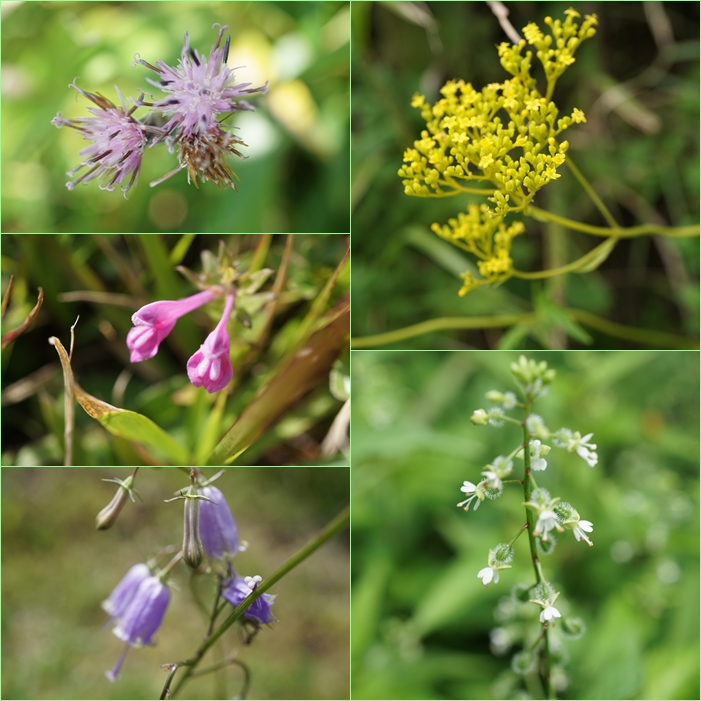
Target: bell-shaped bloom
(235,589)
(141,619)
(153,322)
(124,592)
(210,367)
(218,531)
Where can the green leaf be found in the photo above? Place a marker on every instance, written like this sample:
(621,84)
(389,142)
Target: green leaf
(133,427)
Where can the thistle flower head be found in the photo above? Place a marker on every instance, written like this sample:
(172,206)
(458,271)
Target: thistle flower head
(118,142)
(199,89)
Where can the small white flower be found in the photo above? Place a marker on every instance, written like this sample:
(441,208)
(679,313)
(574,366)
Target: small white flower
(509,401)
(547,521)
(500,468)
(496,416)
(536,426)
(564,438)
(472,491)
(579,529)
(537,463)
(488,575)
(548,613)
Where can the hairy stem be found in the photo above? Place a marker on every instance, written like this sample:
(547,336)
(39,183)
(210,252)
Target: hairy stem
(544,651)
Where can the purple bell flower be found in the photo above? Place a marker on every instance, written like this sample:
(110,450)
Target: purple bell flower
(235,589)
(218,531)
(210,367)
(124,592)
(153,322)
(141,619)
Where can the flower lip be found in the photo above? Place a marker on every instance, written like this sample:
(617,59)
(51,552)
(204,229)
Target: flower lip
(210,367)
(154,321)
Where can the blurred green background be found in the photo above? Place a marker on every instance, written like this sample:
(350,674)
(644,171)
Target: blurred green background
(296,176)
(636,81)
(104,279)
(420,616)
(57,569)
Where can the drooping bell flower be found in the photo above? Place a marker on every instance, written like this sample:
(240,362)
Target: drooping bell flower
(210,367)
(141,618)
(218,530)
(153,322)
(235,589)
(124,592)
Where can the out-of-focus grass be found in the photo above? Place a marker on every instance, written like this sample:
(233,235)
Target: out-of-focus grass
(57,569)
(421,617)
(639,152)
(138,270)
(296,174)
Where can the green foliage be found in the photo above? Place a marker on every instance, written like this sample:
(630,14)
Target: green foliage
(295,176)
(639,96)
(421,618)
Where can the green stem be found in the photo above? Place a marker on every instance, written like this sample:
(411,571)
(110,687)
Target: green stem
(441,324)
(650,337)
(530,521)
(331,529)
(592,194)
(616,231)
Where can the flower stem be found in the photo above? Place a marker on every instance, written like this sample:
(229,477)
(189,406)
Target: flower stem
(544,667)
(331,529)
(619,231)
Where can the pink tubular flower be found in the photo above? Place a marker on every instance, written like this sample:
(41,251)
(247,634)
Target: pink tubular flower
(153,322)
(210,366)
(118,142)
(199,89)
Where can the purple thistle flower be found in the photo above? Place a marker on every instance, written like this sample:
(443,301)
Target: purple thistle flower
(218,530)
(118,142)
(153,322)
(210,367)
(141,619)
(198,89)
(124,592)
(235,589)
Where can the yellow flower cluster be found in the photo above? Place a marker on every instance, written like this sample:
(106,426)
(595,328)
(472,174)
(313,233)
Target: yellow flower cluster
(503,136)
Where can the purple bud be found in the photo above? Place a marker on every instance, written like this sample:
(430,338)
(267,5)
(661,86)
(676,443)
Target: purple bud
(124,592)
(210,367)
(218,530)
(142,618)
(107,517)
(192,544)
(153,322)
(235,589)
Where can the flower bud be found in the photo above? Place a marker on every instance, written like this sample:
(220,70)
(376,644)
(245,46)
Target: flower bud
(107,517)
(495,396)
(479,417)
(192,544)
